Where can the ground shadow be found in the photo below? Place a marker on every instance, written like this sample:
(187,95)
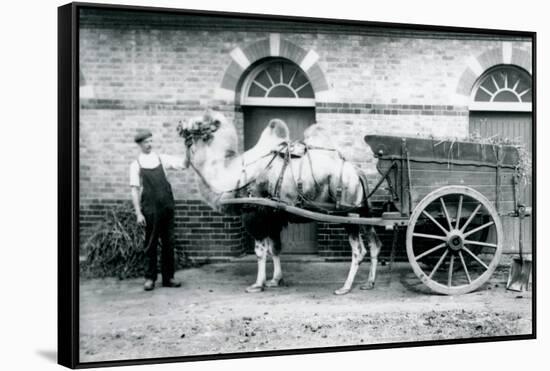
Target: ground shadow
(50,355)
(411,282)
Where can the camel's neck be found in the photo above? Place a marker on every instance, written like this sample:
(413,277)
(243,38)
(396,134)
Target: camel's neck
(218,175)
(221,168)
(221,174)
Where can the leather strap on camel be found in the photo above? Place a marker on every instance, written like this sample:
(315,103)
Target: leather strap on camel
(287,150)
(339,187)
(293,150)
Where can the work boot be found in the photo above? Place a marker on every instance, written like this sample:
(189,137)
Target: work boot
(149,285)
(171,283)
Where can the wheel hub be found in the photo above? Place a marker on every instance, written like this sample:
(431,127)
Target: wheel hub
(455,240)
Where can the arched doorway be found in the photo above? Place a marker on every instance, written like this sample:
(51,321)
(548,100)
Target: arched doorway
(501,106)
(278,88)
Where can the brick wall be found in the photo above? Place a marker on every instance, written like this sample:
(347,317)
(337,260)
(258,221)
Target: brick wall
(333,245)
(107,147)
(149,71)
(202,233)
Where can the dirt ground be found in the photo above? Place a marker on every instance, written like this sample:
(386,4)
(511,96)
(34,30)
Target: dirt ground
(212,314)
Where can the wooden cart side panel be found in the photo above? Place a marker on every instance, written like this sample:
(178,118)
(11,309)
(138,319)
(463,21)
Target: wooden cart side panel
(435,164)
(427,177)
(427,149)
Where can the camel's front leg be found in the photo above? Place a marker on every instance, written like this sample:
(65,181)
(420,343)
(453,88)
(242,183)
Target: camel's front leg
(274,249)
(357,254)
(374,247)
(260,249)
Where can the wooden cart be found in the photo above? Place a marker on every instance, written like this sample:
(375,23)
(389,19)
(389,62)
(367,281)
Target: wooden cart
(449,195)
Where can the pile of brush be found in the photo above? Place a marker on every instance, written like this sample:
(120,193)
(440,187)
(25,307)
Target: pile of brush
(115,247)
(525,163)
(524,167)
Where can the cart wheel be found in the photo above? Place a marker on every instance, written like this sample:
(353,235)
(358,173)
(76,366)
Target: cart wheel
(468,244)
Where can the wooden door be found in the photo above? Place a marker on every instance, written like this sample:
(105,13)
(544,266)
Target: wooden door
(297,238)
(516,126)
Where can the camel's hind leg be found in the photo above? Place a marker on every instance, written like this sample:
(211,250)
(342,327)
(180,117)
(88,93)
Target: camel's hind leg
(274,250)
(260,248)
(374,247)
(358,252)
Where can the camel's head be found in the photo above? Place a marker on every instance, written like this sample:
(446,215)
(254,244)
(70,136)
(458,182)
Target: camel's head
(210,131)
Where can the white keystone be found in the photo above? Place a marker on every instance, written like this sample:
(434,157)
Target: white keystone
(275,44)
(507,52)
(474,65)
(238,56)
(309,60)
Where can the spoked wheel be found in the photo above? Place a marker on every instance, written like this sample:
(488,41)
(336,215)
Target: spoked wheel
(465,247)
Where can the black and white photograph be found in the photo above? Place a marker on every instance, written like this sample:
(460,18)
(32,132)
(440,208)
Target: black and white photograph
(252,185)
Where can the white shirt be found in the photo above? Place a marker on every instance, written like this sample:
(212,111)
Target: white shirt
(151,161)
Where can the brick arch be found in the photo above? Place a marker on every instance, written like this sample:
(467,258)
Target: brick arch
(505,54)
(273,46)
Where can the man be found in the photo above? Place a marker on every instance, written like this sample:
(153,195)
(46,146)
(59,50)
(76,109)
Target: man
(154,205)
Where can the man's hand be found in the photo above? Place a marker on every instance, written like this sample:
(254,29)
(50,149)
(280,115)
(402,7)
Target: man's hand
(135,200)
(141,220)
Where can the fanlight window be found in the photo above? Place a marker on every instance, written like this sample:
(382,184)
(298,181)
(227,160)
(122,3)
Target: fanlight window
(278,83)
(503,88)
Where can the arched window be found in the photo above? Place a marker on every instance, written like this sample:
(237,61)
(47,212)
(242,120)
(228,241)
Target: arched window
(278,83)
(502,88)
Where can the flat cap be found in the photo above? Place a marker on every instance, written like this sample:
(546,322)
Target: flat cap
(142,134)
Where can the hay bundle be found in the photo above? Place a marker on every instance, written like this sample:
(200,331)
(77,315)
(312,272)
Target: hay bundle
(524,167)
(115,248)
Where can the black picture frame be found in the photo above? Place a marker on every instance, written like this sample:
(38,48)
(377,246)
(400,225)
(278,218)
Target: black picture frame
(68,182)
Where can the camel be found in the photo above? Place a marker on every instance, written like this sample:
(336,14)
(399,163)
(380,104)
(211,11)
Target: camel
(322,177)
